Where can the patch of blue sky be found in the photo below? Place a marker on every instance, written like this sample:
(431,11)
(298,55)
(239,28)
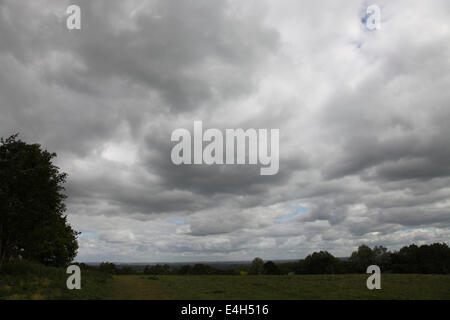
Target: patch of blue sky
(296,210)
(177,221)
(88,234)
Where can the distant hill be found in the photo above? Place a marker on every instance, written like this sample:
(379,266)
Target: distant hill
(172,265)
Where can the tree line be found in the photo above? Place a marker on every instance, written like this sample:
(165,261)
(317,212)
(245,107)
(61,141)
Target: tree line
(424,259)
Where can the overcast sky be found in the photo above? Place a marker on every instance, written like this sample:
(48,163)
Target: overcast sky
(364,119)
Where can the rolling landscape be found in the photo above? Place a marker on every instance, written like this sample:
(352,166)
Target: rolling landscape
(414,273)
(228,150)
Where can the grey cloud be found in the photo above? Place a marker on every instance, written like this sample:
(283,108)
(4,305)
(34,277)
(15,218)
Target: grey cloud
(175,49)
(363,118)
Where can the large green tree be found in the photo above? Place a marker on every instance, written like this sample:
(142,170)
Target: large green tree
(32,221)
(321,262)
(257,266)
(362,258)
(271,268)
(365,256)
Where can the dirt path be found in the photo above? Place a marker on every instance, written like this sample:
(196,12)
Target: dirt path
(136,288)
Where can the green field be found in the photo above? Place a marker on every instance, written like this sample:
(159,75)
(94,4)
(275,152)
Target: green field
(27,280)
(279,287)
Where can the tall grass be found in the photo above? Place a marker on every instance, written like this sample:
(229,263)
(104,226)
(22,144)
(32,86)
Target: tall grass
(29,280)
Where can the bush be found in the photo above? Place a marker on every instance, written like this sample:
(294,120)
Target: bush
(107,267)
(271,268)
(201,268)
(158,269)
(25,267)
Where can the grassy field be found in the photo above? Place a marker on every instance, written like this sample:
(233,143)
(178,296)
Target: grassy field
(279,287)
(28,280)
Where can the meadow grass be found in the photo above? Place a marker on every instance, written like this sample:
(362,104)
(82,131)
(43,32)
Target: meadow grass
(28,280)
(24,280)
(394,286)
